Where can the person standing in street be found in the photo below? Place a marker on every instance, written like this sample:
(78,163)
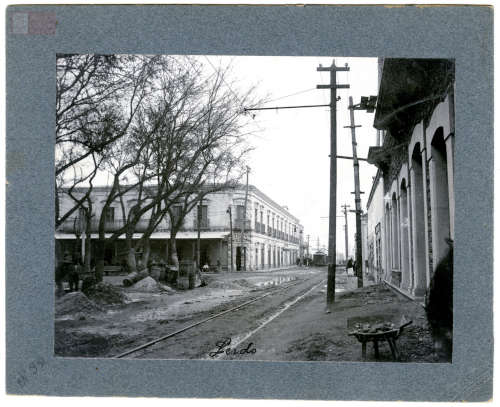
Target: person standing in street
(74,276)
(349,267)
(439,307)
(62,272)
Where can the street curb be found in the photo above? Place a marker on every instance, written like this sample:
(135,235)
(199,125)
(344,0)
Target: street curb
(404,294)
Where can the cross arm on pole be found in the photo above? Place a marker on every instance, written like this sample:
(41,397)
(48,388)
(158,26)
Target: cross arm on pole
(352,158)
(332,86)
(332,68)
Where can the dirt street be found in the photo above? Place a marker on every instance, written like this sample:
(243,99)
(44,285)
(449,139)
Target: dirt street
(112,329)
(288,324)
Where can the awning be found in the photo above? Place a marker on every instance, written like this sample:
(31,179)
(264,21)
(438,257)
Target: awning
(410,89)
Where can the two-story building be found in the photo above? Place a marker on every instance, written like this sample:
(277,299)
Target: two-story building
(271,238)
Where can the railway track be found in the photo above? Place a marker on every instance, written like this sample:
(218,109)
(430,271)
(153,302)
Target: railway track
(257,302)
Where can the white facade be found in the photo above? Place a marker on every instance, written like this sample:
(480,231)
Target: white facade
(272,237)
(375,229)
(411,205)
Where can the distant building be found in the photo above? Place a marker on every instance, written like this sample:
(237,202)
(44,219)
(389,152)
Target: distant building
(272,239)
(410,209)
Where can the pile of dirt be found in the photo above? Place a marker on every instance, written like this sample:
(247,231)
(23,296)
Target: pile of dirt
(75,303)
(166,288)
(416,344)
(107,294)
(86,344)
(147,284)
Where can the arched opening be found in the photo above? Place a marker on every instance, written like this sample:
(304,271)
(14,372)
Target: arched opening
(396,276)
(405,237)
(440,204)
(418,222)
(388,250)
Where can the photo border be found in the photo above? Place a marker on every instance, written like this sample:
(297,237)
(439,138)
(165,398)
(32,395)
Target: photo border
(464,33)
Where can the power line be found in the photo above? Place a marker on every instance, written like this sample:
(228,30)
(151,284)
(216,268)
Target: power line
(282,107)
(292,94)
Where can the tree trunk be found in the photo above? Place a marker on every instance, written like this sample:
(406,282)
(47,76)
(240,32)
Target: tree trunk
(77,254)
(174,260)
(131,261)
(88,254)
(99,257)
(146,246)
(56,205)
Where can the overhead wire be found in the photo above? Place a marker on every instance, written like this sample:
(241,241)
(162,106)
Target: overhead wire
(292,94)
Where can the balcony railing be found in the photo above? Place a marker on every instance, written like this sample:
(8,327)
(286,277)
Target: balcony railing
(260,228)
(204,224)
(73,225)
(237,224)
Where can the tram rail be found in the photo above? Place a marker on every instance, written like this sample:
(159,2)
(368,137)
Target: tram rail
(203,321)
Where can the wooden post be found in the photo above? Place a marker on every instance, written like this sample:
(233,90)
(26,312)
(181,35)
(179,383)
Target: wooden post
(221,255)
(357,196)
(243,243)
(346,230)
(231,235)
(332,227)
(198,243)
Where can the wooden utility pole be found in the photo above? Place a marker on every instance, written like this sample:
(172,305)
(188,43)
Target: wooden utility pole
(346,230)
(231,236)
(198,240)
(308,253)
(330,290)
(243,242)
(357,196)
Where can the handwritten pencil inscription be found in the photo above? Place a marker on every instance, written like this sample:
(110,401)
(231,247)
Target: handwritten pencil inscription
(224,348)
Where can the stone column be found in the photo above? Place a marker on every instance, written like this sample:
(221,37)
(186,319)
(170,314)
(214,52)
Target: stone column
(409,191)
(404,237)
(439,209)
(419,221)
(450,141)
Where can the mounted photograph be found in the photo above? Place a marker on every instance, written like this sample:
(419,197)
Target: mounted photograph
(265,208)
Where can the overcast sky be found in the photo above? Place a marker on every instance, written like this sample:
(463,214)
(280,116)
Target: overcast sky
(290,162)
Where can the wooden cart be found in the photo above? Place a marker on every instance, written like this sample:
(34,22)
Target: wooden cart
(377,335)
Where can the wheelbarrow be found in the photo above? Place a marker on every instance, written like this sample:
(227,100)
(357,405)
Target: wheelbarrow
(378,333)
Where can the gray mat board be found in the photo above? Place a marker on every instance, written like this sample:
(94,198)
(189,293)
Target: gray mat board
(463,33)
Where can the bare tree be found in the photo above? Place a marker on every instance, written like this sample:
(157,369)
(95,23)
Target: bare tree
(97,97)
(195,128)
(166,133)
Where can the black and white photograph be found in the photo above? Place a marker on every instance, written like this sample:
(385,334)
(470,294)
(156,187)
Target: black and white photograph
(254,208)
